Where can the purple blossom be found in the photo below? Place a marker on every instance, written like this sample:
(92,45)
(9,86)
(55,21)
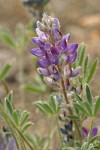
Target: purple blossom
(86,131)
(53,49)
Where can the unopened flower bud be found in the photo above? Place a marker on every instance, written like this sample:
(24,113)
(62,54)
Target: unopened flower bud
(75,72)
(41,26)
(49,81)
(55,23)
(47,21)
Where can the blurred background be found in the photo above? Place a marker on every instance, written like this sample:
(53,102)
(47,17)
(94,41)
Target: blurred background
(18,20)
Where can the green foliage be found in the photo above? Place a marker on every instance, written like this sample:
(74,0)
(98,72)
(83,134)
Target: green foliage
(51,109)
(92,70)
(87,107)
(37,86)
(19,117)
(89,95)
(87,70)
(17,41)
(7,37)
(81,52)
(4,71)
(97,106)
(17,121)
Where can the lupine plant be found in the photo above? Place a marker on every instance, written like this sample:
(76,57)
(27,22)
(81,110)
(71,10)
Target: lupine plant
(63,67)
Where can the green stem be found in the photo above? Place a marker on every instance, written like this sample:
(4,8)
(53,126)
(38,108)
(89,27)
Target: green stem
(69,109)
(21,77)
(60,137)
(13,134)
(90,131)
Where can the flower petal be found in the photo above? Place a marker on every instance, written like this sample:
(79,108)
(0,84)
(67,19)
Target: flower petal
(67,37)
(50,81)
(84,131)
(63,130)
(35,40)
(54,50)
(38,41)
(56,23)
(75,72)
(57,34)
(63,44)
(43,62)
(72,57)
(56,76)
(54,60)
(11,144)
(94,131)
(44,71)
(71,48)
(37,52)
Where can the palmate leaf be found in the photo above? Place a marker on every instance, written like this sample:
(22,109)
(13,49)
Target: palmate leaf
(44,107)
(51,108)
(84,108)
(74,117)
(4,71)
(88,108)
(92,70)
(54,104)
(78,98)
(81,108)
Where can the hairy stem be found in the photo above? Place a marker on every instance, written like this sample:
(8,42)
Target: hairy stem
(90,131)
(69,109)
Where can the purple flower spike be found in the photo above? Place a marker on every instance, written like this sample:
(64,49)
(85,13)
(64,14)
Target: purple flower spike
(94,131)
(44,71)
(85,131)
(72,48)
(54,50)
(37,52)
